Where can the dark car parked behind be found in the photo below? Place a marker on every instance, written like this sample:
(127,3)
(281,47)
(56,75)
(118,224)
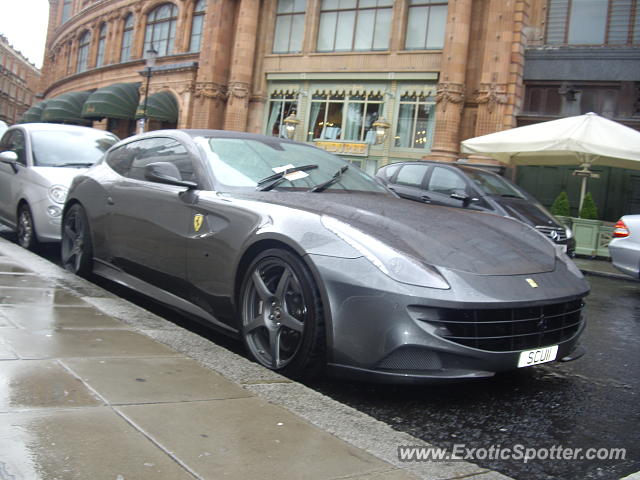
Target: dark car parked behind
(462,186)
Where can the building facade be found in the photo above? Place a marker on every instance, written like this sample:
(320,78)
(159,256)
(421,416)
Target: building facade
(435,71)
(19,83)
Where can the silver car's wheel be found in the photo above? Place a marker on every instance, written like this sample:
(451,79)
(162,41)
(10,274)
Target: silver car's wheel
(26,232)
(77,250)
(281,314)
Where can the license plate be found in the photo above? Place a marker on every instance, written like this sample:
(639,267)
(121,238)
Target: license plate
(537,356)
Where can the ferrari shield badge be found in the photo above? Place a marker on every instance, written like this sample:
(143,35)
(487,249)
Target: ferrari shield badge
(532,283)
(197,221)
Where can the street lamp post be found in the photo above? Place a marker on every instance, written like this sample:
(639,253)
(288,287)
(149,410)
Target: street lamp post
(150,62)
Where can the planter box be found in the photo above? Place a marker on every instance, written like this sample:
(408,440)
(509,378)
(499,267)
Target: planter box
(587,233)
(605,233)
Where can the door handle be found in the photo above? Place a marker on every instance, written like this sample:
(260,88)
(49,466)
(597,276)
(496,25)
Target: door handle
(425,198)
(110,201)
(391,188)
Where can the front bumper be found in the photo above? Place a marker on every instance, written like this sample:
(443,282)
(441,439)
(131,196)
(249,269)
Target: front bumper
(47,226)
(377,329)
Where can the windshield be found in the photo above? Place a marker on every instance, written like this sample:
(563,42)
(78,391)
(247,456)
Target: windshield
(492,184)
(244,163)
(55,148)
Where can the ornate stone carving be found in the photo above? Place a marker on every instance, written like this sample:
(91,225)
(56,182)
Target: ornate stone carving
(239,89)
(450,93)
(492,94)
(210,90)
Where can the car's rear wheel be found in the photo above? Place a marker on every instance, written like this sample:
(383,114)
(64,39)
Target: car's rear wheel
(26,231)
(281,313)
(77,249)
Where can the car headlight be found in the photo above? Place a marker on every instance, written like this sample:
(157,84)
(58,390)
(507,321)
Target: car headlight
(58,193)
(392,263)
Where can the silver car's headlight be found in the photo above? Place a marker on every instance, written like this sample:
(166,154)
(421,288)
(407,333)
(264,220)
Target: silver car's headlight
(392,263)
(58,193)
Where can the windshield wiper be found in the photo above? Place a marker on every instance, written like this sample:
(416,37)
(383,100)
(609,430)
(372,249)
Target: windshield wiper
(510,195)
(336,176)
(275,179)
(73,164)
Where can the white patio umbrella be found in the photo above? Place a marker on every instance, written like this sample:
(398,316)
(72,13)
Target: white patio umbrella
(584,140)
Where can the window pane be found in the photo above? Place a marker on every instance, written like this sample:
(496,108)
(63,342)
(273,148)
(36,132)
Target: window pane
(316,120)
(348,3)
(344,33)
(445,181)
(364,30)
(196,33)
(281,39)
(372,114)
(285,6)
(330,4)
(417,28)
(300,6)
(404,131)
(619,23)
(421,139)
(327,31)
(588,22)
(333,124)
(383,30)
(437,24)
(353,125)
(411,175)
(297,34)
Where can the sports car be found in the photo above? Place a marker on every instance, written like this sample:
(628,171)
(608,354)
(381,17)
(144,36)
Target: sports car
(316,266)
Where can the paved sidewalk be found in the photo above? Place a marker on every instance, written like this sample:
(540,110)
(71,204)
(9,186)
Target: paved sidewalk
(92,386)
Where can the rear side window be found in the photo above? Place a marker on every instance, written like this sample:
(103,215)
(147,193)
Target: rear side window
(411,175)
(390,170)
(14,141)
(445,181)
(120,159)
(162,150)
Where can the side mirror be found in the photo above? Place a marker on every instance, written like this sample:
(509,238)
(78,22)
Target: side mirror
(462,196)
(167,173)
(10,158)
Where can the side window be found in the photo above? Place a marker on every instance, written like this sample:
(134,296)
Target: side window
(162,150)
(390,170)
(411,175)
(445,181)
(14,142)
(120,159)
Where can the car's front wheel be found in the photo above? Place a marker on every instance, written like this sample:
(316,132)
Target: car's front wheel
(26,231)
(281,313)
(77,249)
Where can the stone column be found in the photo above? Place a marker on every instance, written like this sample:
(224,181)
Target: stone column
(241,74)
(137,46)
(500,91)
(451,90)
(210,91)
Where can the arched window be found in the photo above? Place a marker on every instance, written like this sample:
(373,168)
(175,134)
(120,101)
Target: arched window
(83,52)
(127,39)
(102,40)
(161,29)
(196,25)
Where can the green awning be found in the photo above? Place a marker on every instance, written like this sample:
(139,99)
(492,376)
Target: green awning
(160,106)
(119,100)
(66,108)
(34,114)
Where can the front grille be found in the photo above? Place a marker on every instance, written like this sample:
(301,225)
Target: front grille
(556,234)
(505,330)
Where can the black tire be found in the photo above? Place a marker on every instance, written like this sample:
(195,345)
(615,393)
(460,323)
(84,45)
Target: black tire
(282,323)
(76,246)
(25,229)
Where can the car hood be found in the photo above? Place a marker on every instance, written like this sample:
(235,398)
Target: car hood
(58,175)
(526,211)
(467,241)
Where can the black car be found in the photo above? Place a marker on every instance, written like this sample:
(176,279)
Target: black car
(474,189)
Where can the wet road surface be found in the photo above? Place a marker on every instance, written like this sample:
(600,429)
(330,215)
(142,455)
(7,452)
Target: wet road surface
(589,403)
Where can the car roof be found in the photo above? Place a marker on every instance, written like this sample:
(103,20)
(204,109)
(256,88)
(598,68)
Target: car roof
(32,127)
(463,167)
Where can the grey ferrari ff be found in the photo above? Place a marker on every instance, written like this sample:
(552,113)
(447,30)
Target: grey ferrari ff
(314,265)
